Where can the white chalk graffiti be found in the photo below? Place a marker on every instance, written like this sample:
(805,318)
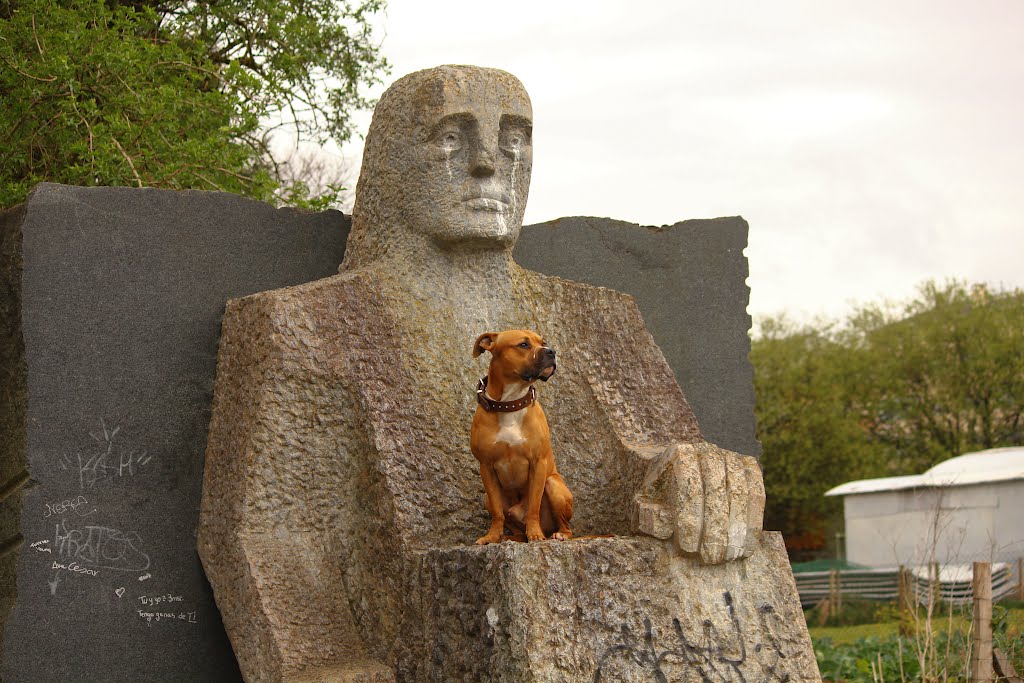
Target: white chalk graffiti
(101,547)
(153,600)
(76,568)
(104,461)
(76,505)
(189,617)
(167,602)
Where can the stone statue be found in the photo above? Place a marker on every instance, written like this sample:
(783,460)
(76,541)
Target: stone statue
(341,500)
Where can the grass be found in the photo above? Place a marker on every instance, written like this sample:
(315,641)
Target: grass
(845,635)
(842,635)
(854,652)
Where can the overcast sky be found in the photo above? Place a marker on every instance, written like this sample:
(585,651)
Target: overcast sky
(870,145)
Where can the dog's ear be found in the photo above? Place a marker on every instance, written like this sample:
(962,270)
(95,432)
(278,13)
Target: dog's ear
(484,343)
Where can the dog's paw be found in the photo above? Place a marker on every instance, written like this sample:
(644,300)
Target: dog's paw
(532,536)
(489,538)
(562,535)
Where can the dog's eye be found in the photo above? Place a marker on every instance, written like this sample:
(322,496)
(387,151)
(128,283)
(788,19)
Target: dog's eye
(524,345)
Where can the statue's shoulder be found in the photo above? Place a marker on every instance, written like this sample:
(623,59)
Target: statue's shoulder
(299,296)
(309,325)
(591,297)
(310,305)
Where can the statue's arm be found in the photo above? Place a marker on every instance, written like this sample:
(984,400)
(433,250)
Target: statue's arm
(708,500)
(277,579)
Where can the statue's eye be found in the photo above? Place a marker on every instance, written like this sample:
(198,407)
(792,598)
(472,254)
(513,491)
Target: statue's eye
(450,140)
(513,140)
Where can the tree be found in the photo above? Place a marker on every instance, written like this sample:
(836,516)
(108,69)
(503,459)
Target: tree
(893,391)
(174,93)
(946,373)
(809,441)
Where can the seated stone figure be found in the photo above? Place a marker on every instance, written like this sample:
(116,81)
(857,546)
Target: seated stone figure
(341,500)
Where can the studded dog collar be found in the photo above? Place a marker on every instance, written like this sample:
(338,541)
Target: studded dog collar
(493,406)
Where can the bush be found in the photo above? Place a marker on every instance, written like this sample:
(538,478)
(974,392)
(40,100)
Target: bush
(854,613)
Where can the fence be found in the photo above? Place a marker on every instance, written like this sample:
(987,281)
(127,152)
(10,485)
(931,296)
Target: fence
(953,583)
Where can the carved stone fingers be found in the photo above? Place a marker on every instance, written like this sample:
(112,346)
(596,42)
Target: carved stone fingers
(755,508)
(708,499)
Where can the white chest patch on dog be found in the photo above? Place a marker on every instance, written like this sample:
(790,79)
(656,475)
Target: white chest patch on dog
(510,428)
(510,425)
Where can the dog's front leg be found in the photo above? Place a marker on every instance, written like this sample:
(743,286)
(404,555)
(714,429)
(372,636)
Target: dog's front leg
(534,497)
(495,505)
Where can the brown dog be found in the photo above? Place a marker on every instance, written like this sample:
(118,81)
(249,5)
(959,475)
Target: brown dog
(511,439)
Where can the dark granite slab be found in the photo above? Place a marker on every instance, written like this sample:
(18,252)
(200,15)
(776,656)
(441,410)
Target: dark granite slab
(110,308)
(690,282)
(122,292)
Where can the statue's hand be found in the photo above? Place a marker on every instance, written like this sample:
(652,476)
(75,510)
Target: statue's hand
(709,499)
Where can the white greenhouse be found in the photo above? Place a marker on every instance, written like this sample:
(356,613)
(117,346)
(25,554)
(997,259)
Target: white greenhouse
(968,508)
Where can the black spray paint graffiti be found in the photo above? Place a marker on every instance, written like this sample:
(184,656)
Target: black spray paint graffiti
(104,461)
(99,546)
(715,657)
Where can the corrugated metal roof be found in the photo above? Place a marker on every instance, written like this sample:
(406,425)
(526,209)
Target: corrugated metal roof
(996,464)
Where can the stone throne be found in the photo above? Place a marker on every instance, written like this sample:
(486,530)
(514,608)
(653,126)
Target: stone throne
(340,499)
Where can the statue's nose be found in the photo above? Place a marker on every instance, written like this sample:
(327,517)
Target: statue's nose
(482,163)
(485,151)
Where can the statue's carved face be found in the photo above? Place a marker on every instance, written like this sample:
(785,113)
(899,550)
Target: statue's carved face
(467,170)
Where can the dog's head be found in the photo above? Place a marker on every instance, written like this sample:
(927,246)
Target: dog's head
(522,354)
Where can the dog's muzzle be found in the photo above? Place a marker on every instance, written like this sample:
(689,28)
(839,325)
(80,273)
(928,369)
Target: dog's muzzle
(545,366)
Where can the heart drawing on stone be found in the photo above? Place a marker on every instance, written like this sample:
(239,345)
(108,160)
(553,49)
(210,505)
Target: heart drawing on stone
(120,591)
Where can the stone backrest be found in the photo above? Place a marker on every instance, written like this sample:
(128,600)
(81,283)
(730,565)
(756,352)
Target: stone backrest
(82,268)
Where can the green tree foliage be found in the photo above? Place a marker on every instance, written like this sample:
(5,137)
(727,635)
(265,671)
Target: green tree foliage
(943,376)
(807,427)
(893,391)
(176,94)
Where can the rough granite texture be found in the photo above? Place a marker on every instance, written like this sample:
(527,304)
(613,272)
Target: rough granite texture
(325,470)
(623,610)
(340,495)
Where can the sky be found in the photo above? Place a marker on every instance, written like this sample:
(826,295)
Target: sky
(871,146)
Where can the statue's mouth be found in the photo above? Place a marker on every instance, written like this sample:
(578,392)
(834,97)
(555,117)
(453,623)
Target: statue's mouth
(487,199)
(486,204)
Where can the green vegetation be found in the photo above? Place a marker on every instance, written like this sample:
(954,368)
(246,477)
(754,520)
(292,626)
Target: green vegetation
(177,94)
(877,651)
(892,391)
(847,635)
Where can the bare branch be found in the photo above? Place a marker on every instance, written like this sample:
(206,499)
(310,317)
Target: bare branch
(36,35)
(209,182)
(51,79)
(129,160)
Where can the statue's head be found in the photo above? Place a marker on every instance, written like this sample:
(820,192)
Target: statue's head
(447,158)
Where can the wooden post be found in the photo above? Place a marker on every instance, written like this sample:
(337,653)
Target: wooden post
(902,589)
(833,590)
(1020,578)
(981,646)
